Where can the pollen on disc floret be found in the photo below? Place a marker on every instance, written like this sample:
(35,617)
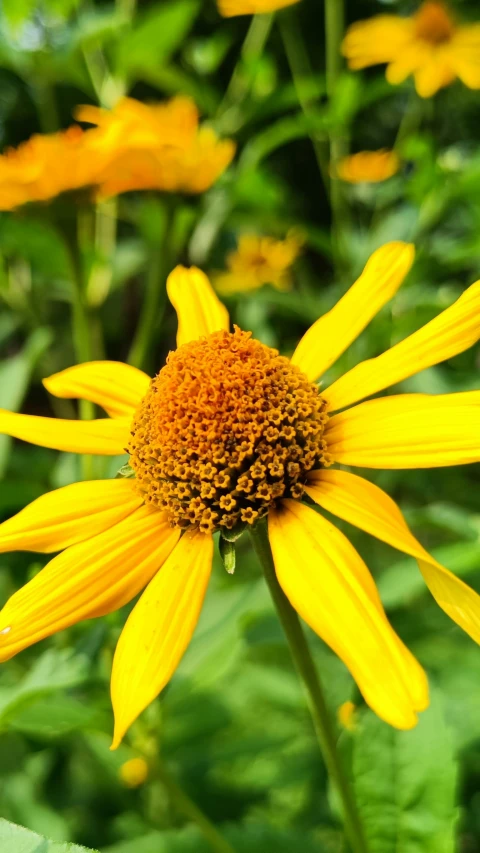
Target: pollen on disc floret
(226,429)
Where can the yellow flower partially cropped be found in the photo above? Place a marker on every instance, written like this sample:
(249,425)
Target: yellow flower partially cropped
(160,146)
(134,772)
(43,167)
(368,167)
(430,45)
(258,261)
(230,8)
(231,433)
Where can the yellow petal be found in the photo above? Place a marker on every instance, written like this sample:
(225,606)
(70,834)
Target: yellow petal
(452,332)
(89,579)
(159,629)
(105,437)
(331,588)
(330,336)
(69,515)
(229,8)
(117,387)
(408,431)
(432,76)
(366,506)
(198,308)
(377,40)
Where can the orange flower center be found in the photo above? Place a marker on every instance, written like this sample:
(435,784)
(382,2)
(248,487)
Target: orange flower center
(226,429)
(433,23)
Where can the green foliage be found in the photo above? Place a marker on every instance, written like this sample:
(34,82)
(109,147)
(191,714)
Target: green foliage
(20,840)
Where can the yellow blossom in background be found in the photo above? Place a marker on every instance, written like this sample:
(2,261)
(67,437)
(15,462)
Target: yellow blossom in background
(43,167)
(346,716)
(258,261)
(368,166)
(229,432)
(430,45)
(134,772)
(160,146)
(230,8)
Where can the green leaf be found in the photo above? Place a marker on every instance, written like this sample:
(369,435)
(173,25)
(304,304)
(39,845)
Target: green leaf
(404,782)
(157,35)
(16,839)
(14,380)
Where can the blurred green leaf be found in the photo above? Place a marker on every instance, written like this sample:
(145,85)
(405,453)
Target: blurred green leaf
(20,840)
(404,782)
(15,376)
(156,36)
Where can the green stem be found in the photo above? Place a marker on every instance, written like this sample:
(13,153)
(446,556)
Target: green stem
(242,79)
(300,69)
(334,26)
(191,811)
(311,681)
(154,299)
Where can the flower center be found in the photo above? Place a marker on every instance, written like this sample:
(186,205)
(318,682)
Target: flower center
(226,429)
(433,23)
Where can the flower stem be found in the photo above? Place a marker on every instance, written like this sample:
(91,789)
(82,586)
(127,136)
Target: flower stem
(334,25)
(190,810)
(154,298)
(242,78)
(311,681)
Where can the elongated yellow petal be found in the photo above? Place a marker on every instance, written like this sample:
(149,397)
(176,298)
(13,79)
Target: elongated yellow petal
(366,506)
(330,336)
(116,387)
(105,437)
(408,431)
(89,579)
(159,629)
(69,515)
(331,588)
(452,332)
(198,308)
(229,8)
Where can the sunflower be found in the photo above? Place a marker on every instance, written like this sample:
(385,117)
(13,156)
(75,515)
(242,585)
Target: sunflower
(231,434)
(230,8)
(258,261)
(159,146)
(431,45)
(368,167)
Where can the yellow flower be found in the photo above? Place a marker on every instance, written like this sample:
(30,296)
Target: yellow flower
(258,261)
(43,167)
(368,166)
(229,432)
(134,772)
(430,45)
(229,8)
(346,716)
(154,147)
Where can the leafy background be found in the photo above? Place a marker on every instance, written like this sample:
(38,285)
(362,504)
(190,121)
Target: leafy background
(232,727)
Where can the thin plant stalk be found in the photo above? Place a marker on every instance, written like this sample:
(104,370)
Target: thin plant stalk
(154,298)
(334,27)
(190,810)
(316,698)
(252,49)
(301,70)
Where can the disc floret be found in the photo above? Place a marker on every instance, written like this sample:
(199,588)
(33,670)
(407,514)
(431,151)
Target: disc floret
(226,429)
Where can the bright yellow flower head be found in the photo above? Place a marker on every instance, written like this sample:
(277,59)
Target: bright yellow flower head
(368,167)
(430,45)
(154,147)
(258,261)
(230,8)
(43,167)
(229,431)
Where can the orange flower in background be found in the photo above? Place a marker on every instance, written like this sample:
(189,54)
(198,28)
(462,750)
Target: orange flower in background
(43,167)
(227,433)
(230,8)
(368,167)
(160,146)
(258,261)
(430,45)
